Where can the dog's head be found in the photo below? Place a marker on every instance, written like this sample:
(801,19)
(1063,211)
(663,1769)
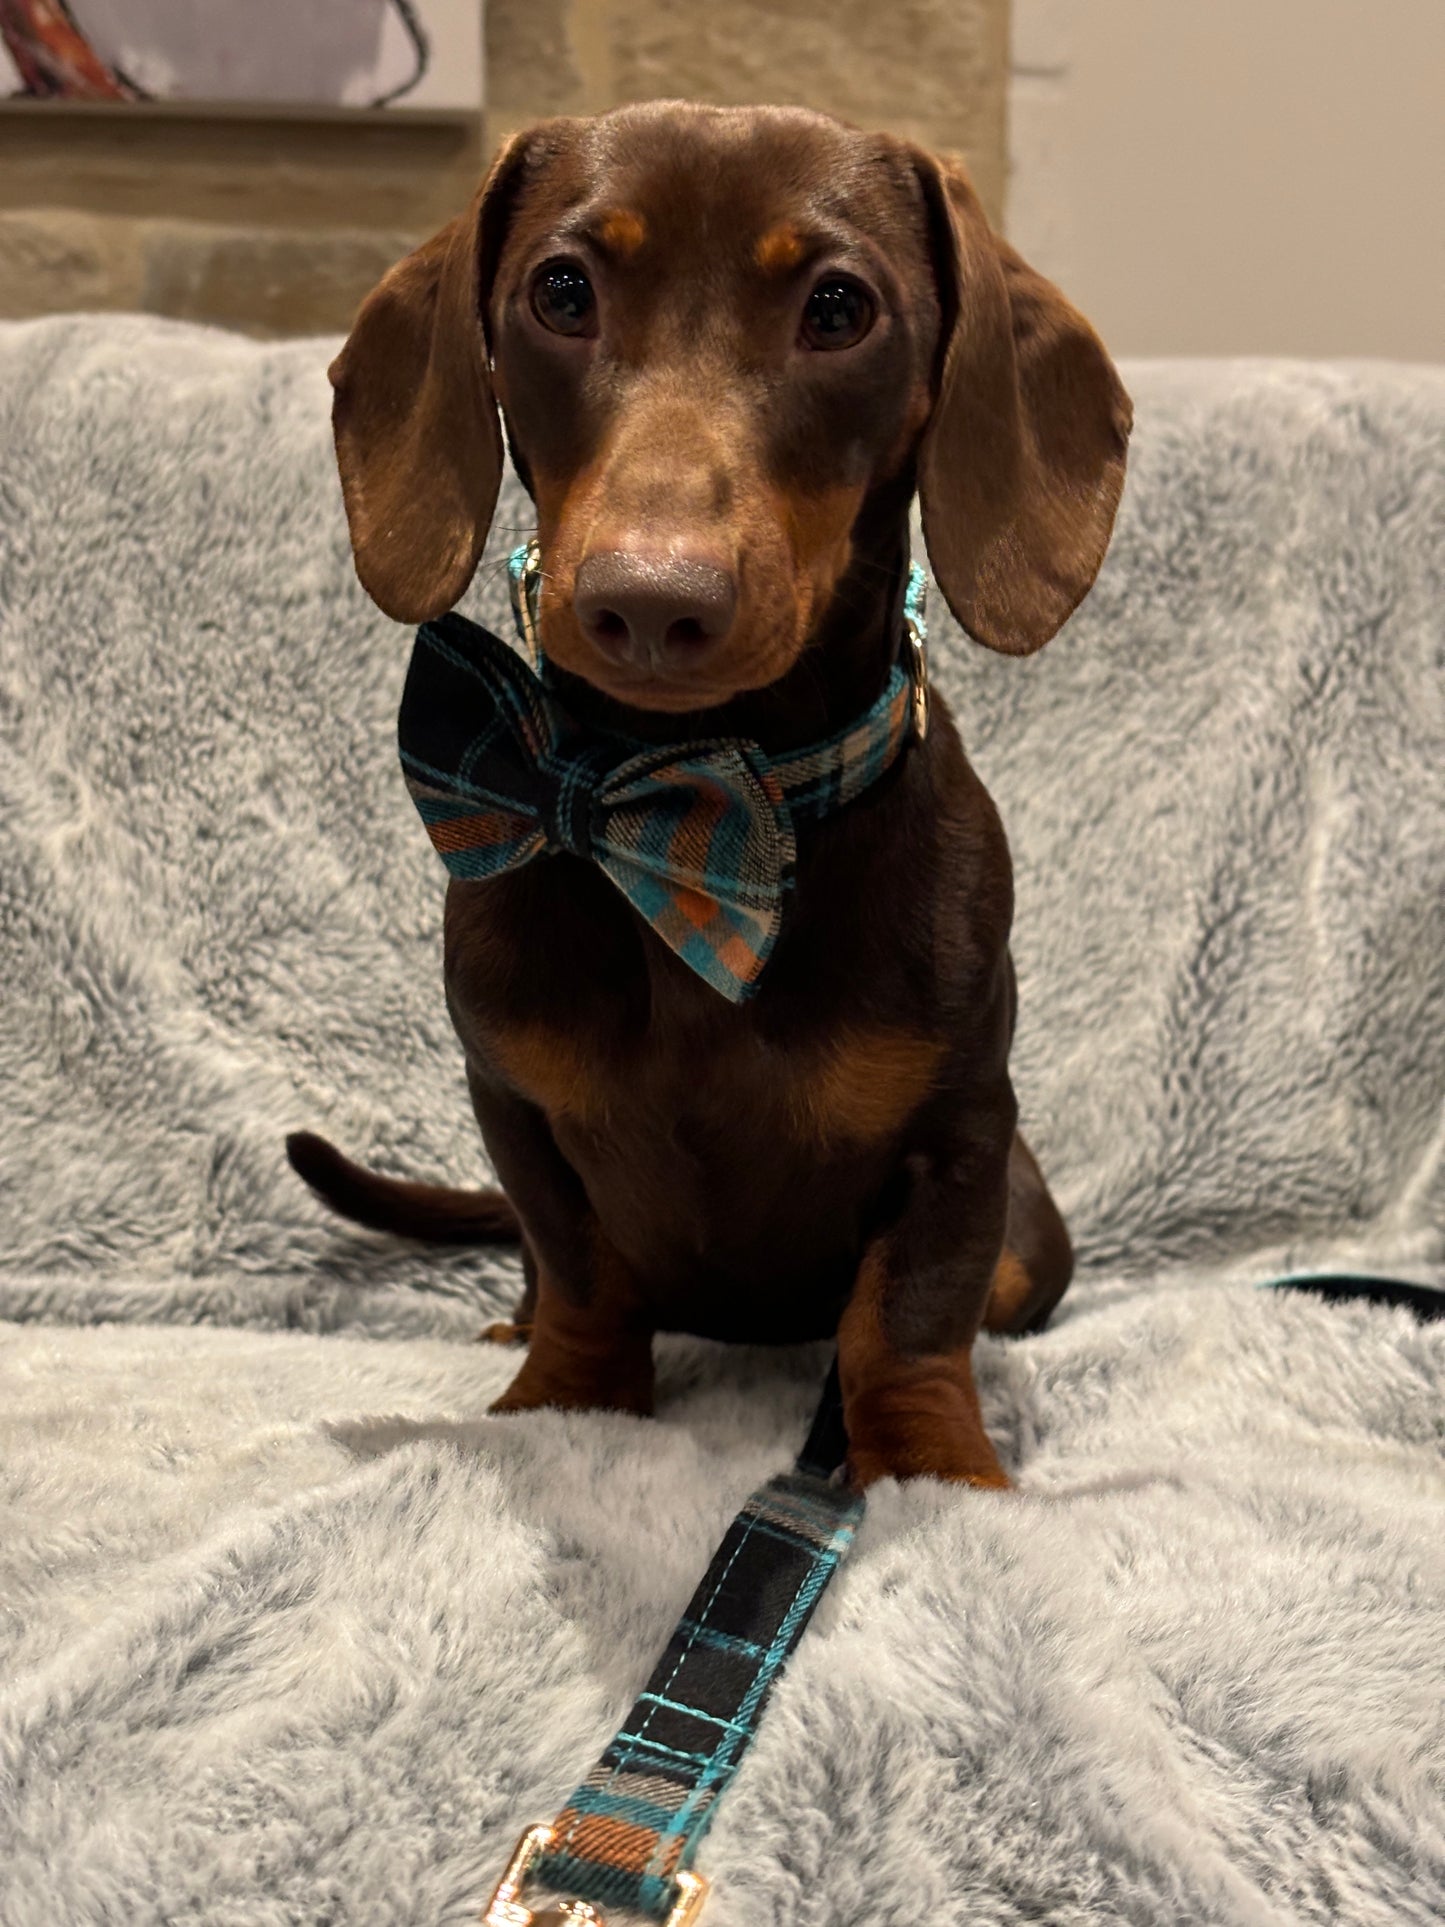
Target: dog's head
(716,336)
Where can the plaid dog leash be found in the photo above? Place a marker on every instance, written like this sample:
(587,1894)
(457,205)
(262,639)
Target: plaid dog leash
(628,1834)
(698,836)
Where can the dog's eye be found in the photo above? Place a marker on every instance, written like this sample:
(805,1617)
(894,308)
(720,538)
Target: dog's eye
(563,300)
(838,313)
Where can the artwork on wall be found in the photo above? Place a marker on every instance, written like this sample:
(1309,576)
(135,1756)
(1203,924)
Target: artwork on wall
(265,54)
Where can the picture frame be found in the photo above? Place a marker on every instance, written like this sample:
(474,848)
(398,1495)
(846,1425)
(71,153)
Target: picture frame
(287,58)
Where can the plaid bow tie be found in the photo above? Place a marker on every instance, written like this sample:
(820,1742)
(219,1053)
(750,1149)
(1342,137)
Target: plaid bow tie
(699,837)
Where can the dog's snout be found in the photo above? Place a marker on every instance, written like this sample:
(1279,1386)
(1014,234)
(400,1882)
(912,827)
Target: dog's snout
(654,611)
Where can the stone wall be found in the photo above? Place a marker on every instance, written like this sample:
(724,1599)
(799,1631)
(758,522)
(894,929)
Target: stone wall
(280,227)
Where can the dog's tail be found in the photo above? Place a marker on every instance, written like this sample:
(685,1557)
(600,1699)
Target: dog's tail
(428,1211)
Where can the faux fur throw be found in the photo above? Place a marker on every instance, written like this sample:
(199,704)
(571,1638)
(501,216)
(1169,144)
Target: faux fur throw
(290,1632)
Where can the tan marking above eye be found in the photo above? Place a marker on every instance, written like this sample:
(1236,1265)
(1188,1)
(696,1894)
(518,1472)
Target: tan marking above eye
(622,231)
(780,248)
(862,1085)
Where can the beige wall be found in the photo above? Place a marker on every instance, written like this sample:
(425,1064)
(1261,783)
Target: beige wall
(281,227)
(1236,177)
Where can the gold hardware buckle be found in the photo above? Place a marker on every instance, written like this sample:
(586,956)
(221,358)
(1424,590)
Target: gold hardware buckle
(504,1909)
(918,664)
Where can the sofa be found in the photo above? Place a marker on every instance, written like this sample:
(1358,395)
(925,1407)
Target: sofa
(292,1631)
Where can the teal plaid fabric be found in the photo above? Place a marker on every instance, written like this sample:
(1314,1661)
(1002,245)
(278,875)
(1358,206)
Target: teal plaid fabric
(699,837)
(637,1819)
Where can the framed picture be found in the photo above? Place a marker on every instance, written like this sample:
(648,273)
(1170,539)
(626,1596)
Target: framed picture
(324,56)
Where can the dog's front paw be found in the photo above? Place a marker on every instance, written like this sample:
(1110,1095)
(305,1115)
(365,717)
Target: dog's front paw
(866,1467)
(921,1432)
(624,1385)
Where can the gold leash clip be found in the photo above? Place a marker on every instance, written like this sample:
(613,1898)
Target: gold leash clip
(504,1909)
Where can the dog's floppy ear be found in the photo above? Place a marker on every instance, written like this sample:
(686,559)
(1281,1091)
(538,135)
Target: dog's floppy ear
(418,441)
(1022,462)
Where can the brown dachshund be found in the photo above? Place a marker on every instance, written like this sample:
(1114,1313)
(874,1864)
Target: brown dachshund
(729,346)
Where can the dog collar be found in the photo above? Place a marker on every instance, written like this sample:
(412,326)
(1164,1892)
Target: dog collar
(524,575)
(700,837)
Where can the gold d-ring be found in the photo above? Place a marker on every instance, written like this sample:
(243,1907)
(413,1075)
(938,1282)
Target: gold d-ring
(918,675)
(526,600)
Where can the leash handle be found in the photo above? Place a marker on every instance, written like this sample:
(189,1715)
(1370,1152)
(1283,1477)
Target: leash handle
(627,1835)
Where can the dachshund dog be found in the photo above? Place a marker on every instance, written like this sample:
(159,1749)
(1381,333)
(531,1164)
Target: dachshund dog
(729,346)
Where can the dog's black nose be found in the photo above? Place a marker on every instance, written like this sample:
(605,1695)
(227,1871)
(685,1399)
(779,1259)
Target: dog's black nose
(658,612)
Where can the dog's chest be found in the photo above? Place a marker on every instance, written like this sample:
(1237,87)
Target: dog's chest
(558,989)
(697,1125)
(732,1173)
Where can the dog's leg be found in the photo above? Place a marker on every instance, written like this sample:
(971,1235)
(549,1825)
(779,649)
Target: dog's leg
(518,1328)
(1037,1261)
(905,1338)
(590,1339)
(585,1354)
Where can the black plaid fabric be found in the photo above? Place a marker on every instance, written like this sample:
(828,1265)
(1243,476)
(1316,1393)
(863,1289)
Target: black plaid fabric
(637,1819)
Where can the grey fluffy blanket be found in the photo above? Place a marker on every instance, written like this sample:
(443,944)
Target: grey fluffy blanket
(291,1633)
